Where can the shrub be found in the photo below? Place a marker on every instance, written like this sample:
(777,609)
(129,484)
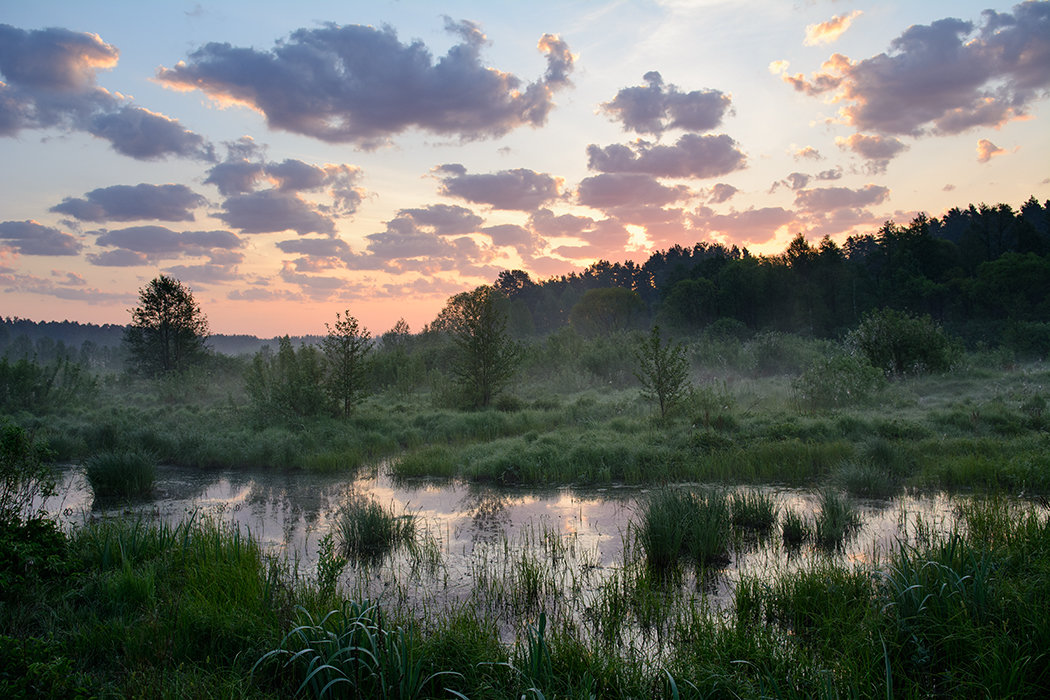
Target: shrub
(25,473)
(899,343)
(836,380)
(121,474)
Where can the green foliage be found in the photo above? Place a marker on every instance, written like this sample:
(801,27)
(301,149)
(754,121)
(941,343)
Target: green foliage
(289,384)
(677,523)
(368,531)
(330,565)
(837,380)
(346,349)
(354,652)
(486,357)
(794,528)
(836,521)
(753,511)
(663,371)
(121,474)
(31,551)
(899,343)
(28,386)
(25,473)
(606,310)
(167,330)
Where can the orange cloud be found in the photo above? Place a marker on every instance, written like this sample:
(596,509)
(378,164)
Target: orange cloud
(827,32)
(986,150)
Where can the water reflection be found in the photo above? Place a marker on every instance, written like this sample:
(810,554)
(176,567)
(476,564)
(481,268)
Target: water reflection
(580,533)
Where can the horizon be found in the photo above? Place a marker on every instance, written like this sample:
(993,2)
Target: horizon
(290,164)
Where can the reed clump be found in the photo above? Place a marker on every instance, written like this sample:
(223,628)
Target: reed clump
(121,474)
(367,531)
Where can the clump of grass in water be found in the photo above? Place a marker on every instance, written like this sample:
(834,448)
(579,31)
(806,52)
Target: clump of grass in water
(121,474)
(677,523)
(368,531)
(753,511)
(794,528)
(837,520)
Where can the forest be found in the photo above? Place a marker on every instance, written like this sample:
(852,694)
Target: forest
(821,473)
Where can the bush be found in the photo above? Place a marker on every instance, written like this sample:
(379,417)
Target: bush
(837,380)
(25,473)
(899,344)
(121,474)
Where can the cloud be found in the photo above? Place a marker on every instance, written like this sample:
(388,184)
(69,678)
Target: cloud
(878,150)
(823,199)
(655,108)
(693,155)
(313,286)
(751,225)
(611,190)
(271,211)
(140,245)
(441,219)
(316,247)
(51,83)
(830,31)
(519,189)
(71,288)
(524,241)
(358,84)
(986,150)
(238,175)
(945,77)
(53,59)
(722,193)
(605,238)
(146,135)
(807,153)
(235,176)
(207,273)
(32,238)
(794,181)
(132,203)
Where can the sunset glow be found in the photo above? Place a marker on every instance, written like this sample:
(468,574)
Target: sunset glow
(291,161)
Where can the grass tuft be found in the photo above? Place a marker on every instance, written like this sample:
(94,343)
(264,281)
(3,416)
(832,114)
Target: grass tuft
(121,474)
(368,531)
(836,522)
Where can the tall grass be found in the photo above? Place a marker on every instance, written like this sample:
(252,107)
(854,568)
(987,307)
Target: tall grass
(753,511)
(354,652)
(367,531)
(121,474)
(676,523)
(836,521)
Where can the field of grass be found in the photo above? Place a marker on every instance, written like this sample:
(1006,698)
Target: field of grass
(128,608)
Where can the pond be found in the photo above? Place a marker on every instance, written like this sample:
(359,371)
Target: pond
(482,544)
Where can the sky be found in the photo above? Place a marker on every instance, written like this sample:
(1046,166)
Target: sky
(292,161)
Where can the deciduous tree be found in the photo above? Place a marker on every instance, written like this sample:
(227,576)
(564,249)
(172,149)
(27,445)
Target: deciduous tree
(663,371)
(346,349)
(168,328)
(486,357)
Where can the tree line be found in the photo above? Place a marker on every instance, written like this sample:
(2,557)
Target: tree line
(980,271)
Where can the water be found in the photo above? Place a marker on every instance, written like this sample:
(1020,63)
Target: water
(484,545)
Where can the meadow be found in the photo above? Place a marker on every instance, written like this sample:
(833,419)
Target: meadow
(129,606)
